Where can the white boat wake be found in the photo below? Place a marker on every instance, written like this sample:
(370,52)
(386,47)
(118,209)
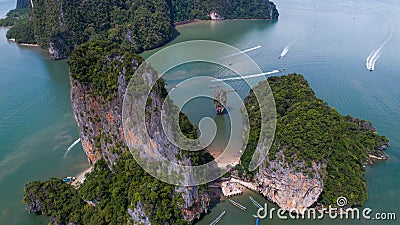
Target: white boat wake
(250,76)
(243,51)
(252,49)
(71,146)
(374,55)
(287,47)
(284,51)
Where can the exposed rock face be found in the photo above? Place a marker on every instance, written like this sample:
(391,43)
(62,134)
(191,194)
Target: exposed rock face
(52,31)
(377,153)
(58,49)
(99,121)
(100,129)
(290,189)
(219,101)
(194,202)
(273,12)
(215,16)
(33,203)
(138,215)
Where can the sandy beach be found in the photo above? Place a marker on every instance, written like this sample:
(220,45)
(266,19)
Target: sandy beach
(23,44)
(81,177)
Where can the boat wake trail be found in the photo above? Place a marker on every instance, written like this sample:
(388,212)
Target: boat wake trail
(71,146)
(243,51)
(287,47)
(252,49)
(251,76)
(284,51)
(374,55)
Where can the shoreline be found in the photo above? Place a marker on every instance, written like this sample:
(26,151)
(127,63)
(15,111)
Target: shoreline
(80,178)
(242,188)
(23,44)
(195,21)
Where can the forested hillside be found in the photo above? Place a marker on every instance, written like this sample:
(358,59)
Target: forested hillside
(183,10)
(309,132)
(60,26)
(105,197)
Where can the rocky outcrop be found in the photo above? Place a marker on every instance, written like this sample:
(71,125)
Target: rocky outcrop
(219,101)
(291,187)
(273,12)
(215,16)
(194,204)
(138,216)
(58,49)
(376,153)
(99,120)
(33,203)
(45,198)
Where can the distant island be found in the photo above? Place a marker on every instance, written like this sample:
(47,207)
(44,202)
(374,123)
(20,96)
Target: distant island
(59,26)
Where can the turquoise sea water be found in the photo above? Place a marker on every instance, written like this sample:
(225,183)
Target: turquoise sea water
(36,126)
(6,5)
(327,42)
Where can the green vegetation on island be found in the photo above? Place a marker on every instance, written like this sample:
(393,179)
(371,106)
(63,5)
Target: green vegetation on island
(13,16)
(183,10)
(22,32)
(309,131)
(60,26)
(21,23)
(105,196)
(136,25)
(100,63)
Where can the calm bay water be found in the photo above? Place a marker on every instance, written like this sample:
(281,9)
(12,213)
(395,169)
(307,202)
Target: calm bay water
(36,126)
(5,6)
(327,42)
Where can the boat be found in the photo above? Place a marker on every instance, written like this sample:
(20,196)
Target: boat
(237,205)
(218,218)
(68,179)
(258,205)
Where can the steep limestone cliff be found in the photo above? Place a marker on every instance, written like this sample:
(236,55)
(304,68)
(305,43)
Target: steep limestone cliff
(287,186)
(99,121)
(97,99)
